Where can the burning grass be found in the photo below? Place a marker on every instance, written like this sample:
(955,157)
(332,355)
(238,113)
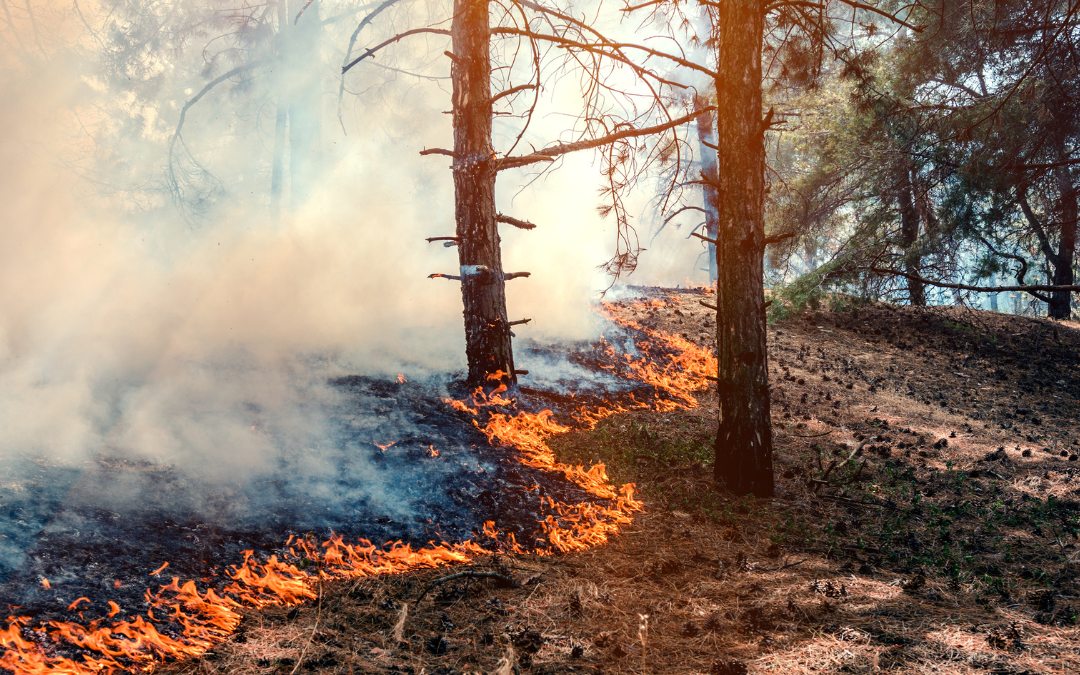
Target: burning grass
(927,559)
(186,620)
(914,556)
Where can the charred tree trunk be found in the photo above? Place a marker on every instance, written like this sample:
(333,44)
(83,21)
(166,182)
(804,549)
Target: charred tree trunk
(483,291)
(1060,305)
(744,435)
(709,198)
(909,236)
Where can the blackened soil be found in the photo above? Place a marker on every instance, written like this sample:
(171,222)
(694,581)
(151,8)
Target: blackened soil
(405,466)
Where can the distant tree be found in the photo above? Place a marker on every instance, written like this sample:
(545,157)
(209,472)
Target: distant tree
(988,97)
(235,89)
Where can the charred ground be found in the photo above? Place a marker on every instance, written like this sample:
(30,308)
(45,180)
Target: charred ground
(926,521)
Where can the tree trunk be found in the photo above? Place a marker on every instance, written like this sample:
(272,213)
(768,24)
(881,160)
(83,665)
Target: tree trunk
(909,235)
(744,435)
(303,38)
(709,198)
(277,170)
(1060,306)
(277,162)
(483,292)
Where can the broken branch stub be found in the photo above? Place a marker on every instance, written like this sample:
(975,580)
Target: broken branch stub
(510,220)
(447,241)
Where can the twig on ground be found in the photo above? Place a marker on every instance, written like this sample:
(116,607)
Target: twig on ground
(468,573)
(782,567)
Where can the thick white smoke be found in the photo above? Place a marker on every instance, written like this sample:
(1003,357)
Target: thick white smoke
(129,330)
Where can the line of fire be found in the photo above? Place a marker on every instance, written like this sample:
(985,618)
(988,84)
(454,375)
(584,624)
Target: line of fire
(232,374)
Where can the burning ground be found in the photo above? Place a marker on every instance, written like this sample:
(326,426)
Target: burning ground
(462,467)
(926,519)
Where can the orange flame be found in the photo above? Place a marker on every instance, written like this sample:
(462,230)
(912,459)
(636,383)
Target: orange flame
(206,616)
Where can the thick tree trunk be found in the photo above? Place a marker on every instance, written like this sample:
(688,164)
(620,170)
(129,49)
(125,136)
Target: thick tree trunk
(483,292)
(1060,306)
(744,435)
(909,235)
(710,200)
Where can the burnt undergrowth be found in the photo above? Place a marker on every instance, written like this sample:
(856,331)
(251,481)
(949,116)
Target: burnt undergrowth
(926,519)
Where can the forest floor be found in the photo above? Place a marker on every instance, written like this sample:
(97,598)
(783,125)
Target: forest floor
(926,521)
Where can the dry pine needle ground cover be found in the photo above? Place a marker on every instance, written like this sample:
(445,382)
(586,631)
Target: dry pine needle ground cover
(926,521)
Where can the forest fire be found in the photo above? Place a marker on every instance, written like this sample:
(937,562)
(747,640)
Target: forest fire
(186,618)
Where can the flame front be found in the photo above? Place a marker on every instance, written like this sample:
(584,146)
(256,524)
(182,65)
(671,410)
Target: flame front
(193,620)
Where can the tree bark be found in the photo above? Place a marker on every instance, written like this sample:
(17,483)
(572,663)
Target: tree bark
(909,235)
(483,292)
(743,458)
(709,199)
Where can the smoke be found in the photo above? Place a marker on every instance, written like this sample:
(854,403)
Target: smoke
(132,331)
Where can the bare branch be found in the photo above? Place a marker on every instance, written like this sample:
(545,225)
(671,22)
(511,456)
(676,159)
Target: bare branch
(977,289)
(437,151)
(511,91)
(607,49)
(197,97)
(792,3)
(510,220)
(386,43)
(685,208)
(549,154)
(302,10)
(776,238)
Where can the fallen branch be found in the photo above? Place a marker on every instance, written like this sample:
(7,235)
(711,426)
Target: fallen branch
(472,574)
(826,433)
(781,567)
(705,304)
(834,465)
